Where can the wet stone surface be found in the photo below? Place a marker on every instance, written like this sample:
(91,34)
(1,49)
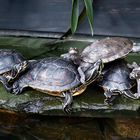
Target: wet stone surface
(88,104)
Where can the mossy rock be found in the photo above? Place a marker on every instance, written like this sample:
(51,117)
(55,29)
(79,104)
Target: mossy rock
(88,104)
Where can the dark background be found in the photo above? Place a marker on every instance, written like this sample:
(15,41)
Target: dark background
(111,17)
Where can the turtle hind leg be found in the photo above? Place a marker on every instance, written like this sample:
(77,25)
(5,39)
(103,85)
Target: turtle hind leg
(129,94)
(112,94)
(67,102)
(138,89)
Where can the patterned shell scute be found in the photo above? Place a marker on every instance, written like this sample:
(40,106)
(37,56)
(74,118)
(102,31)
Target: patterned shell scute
(8,58)
(107,49)
(55,74)
(117,77)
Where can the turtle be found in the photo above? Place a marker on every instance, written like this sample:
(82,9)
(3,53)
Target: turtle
(107,49)
(58,77)
(116,81)
(12,63)
(135,74)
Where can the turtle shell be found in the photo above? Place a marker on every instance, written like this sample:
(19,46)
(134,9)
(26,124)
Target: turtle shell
(8,58)
(116,76)
(52,75)
(107,49)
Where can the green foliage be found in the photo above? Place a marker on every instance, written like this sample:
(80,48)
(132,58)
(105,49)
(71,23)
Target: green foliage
(75,14)
(89,12)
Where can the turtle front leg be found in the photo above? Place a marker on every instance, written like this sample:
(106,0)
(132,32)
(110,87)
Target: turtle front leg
(5,83)
(18,87)
(14,88)
(82,75)
(110,96)
(126,93)
(109,101)
(67,102)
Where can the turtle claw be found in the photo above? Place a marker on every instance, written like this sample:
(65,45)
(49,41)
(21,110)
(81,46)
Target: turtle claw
(67,102)
(16,90)
(108,102)
(67,109)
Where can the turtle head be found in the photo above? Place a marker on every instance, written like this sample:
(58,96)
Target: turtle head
(73,55)
(18,69)
(94,71)
(73,51)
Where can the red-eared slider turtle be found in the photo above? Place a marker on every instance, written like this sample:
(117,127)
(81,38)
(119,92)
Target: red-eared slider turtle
(12,64)
(116,81)
(108,49)
(57,77)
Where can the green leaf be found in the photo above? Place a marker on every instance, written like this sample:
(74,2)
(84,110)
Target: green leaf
(74,15)
(89,11)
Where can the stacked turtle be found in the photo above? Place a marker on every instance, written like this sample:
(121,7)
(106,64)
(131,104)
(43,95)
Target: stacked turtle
(70,74)
(115,78)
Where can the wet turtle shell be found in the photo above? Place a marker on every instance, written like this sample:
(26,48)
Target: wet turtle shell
(51,75)
(8,58)
(107,49)
(116,80)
